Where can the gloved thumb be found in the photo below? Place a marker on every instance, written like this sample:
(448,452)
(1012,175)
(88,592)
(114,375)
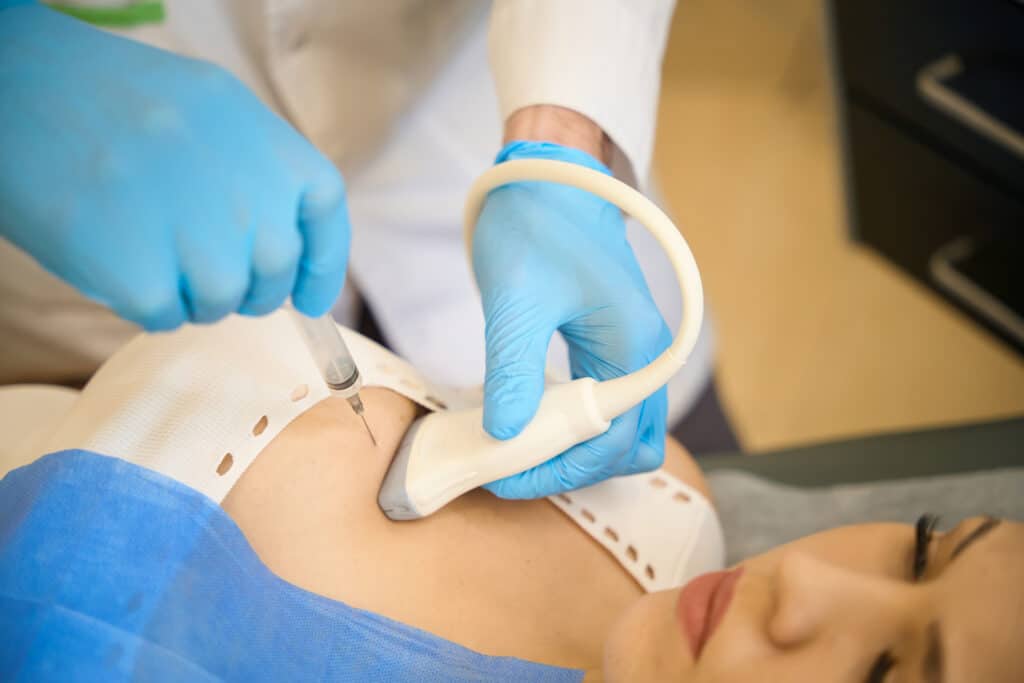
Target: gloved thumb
(516,357)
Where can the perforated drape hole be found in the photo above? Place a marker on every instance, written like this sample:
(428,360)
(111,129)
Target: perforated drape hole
(611,533)
(587,515)
(681,497)
(260,425)
(225,464)
(565,499)
(631,553)
(300,392)
(649,570)
(658,482)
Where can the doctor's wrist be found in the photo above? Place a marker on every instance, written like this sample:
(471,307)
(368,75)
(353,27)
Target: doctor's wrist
(551,123)
(529,149)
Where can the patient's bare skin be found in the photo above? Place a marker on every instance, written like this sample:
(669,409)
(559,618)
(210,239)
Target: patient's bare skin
(501,577)
(520,579)
(843,603)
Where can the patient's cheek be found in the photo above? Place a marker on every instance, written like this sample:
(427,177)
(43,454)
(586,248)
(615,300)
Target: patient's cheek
(878,549)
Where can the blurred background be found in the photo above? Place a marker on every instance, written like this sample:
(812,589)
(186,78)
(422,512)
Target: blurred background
(820,337)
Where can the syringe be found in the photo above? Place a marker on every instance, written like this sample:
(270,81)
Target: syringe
(333,360)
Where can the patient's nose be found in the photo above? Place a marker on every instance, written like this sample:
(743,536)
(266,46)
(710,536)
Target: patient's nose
(815,597)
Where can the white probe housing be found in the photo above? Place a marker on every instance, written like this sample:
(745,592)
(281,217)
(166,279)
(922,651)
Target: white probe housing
(448,453)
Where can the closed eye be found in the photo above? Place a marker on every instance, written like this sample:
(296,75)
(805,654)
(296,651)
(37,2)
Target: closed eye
(881,667)
(924,531)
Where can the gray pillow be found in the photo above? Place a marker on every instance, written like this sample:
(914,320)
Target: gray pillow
(758,514)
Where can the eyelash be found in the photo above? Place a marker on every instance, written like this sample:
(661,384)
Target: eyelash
(881,667)
(924,530)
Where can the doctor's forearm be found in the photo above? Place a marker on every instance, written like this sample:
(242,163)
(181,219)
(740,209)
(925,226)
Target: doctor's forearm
(550,123)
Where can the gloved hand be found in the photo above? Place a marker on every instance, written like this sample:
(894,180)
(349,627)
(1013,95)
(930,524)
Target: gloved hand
(549,257)
(159,185)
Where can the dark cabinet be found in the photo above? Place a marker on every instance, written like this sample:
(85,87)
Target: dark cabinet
(931,97)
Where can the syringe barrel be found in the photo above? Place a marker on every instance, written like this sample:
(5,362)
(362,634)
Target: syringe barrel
(332,357)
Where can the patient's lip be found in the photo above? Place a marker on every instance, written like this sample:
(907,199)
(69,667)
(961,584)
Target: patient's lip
(703,603)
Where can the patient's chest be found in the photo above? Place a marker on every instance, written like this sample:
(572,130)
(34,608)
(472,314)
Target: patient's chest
(511,578)
(235,411)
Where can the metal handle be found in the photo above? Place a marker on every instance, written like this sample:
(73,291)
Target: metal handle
(932,89)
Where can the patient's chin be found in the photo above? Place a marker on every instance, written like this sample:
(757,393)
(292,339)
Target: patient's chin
(647,642)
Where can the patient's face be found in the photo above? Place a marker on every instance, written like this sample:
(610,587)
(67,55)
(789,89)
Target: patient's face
(843,605)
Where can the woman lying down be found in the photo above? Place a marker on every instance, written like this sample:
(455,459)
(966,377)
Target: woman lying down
(204,515)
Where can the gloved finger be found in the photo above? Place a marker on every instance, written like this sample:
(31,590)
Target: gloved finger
(324,227)
(617,340)
(647,458)
(214,263)
(651,433)
(516,356)
(276,251)
(145,291)
(154,302)
(584,464)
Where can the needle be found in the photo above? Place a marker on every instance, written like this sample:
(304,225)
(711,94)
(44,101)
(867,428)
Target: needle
(334,361)
(357,407)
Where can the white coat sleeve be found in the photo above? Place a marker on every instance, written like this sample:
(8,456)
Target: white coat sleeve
(601,58)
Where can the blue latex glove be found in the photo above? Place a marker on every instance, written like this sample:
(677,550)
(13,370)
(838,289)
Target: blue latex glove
(159,185)
(549,257)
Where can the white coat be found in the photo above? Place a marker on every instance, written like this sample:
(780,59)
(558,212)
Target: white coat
(398,94)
